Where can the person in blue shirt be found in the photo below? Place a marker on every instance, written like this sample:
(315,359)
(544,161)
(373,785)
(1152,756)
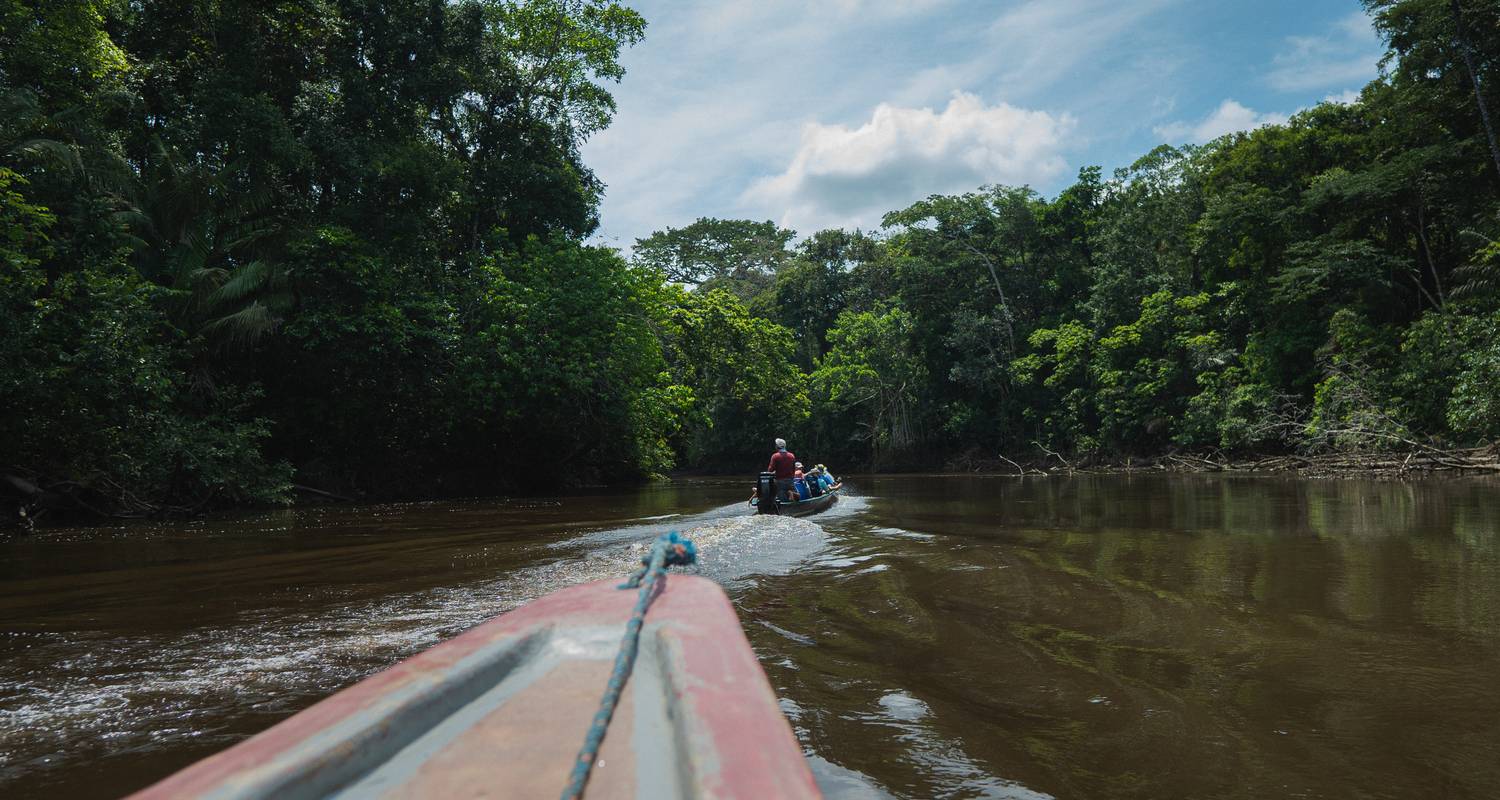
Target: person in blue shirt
(814,483)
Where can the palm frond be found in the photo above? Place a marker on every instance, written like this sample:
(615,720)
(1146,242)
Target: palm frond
(1481,275)
(243,327)
(53,153)
(135,219)
(254,231)
(245,282)
(209,276)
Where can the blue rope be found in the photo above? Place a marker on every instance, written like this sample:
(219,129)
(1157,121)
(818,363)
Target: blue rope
(669,549)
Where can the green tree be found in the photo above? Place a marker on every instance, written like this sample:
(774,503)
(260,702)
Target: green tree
(746,389)
(737,255)
(868,387)
(811,289)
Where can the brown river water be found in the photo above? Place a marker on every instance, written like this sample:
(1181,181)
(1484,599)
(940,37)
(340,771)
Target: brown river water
(1144,636)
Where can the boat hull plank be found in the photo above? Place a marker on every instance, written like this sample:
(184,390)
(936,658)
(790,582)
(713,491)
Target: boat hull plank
(501,710)
(801,508)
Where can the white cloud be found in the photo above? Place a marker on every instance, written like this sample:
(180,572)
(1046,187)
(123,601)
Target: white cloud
(848,176)
(1346,97)
(1349,53)
(724,95)
(1229,117)
(720,93)
(1031,46)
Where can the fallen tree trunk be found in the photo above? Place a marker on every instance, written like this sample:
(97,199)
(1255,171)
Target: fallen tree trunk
(321,493)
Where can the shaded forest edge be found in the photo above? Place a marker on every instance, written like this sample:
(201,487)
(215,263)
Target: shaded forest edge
(254,253)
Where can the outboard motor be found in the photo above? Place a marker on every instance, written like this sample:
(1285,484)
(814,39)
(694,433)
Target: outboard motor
(766,490)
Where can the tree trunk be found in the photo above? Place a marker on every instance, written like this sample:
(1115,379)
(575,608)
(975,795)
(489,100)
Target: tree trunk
(1010,336)
(1437,282)
(1468,55)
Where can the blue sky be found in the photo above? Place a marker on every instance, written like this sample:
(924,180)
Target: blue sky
(828,113)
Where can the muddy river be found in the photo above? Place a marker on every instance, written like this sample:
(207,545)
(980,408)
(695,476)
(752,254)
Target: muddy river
(1149,636)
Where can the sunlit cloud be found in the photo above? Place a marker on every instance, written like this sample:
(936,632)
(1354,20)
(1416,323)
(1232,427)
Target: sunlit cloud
(843,175)
(1229,117)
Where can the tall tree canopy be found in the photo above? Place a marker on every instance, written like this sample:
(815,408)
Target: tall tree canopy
(341,243)
(249,241)
(738,255)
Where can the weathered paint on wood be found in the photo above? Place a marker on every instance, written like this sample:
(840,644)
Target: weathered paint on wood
(501,710)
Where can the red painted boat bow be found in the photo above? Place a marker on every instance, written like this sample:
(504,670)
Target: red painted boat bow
(501,710)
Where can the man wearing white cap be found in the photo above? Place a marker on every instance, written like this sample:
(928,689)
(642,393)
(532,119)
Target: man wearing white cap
(784,464)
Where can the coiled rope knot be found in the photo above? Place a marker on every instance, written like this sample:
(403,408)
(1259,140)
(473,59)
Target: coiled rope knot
(669,549)
(678,552)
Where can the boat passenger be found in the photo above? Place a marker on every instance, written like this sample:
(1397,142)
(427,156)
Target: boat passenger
(799,482)
(784,464)
(814,485)
(824,478)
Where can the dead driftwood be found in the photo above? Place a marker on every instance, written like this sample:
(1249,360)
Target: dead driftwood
(1400,462)
(26,497)
(1479,460)
(1419,459)
(1067,465)
(1411,459)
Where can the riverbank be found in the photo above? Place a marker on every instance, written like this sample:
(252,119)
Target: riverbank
(1412,462)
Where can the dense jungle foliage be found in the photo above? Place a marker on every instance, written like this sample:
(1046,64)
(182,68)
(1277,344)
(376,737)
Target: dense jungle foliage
(1328,284)
(342,244)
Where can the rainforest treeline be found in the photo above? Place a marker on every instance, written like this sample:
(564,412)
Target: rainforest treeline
(343,246)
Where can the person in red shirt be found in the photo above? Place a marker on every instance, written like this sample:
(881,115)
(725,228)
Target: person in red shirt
(784,464)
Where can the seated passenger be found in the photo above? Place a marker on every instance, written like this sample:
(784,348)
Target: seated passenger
(814,484)
(799,482)
(824,478)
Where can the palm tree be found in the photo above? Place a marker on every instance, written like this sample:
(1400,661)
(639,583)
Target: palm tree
(217,250)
